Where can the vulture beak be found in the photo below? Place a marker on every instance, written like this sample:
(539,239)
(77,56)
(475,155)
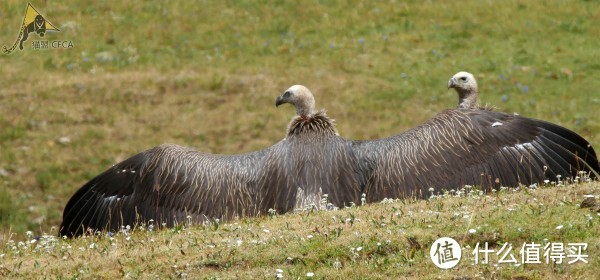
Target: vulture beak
(280,100)
(451,83)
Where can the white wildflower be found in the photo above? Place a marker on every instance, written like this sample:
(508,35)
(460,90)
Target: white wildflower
(559,227)
(337,264)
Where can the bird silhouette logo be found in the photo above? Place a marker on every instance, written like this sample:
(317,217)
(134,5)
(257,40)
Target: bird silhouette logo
(33,22)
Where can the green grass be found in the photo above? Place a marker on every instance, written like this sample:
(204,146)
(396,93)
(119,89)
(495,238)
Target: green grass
(206,75)
(383,240)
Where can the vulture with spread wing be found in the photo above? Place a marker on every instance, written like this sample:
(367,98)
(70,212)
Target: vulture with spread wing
(472,145)
(169,183)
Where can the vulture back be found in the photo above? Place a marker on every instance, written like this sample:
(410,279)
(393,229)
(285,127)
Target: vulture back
(310,162)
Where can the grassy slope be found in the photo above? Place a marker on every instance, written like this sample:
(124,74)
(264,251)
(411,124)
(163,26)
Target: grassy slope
(205,75)
(387,240)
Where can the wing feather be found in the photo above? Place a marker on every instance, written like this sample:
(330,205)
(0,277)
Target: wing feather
(475,147)
(165,184)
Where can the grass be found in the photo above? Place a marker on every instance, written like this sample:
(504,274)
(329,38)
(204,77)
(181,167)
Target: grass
(383,240)
(205,75)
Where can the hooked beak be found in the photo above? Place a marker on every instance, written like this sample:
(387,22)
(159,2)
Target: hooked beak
(280,100)
(451,83)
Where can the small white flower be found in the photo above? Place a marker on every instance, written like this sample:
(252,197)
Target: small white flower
(279,270)
(471,231)
(309,236)
(337,264)
(589,217)
(266,230)
(559,227)
(310,274)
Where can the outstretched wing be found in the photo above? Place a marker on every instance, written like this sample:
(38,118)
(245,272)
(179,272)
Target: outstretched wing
(471,147)
(166,184)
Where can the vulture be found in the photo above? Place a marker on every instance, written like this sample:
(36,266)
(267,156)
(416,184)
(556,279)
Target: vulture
(472,145)
(170,184)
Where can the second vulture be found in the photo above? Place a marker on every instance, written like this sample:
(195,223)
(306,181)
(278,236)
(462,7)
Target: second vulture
(170,184)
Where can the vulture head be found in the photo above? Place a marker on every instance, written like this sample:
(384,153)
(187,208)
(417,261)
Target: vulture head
(465,85)
(301,98)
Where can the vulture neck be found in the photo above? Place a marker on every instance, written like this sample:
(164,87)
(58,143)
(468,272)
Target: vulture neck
(318,122)
(467,99)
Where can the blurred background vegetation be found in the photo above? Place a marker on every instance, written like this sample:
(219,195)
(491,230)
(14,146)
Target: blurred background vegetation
(206,74)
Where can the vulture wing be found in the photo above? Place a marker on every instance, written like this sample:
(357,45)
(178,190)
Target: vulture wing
(471,147)
(167,184)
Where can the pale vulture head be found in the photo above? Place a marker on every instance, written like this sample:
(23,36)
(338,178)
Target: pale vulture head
(301,98)
(465,85)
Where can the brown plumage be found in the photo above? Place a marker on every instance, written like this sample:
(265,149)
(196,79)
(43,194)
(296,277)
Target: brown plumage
(457,147)
(472,147)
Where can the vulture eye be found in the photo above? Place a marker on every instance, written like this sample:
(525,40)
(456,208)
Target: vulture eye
(463,78)
(287,94)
